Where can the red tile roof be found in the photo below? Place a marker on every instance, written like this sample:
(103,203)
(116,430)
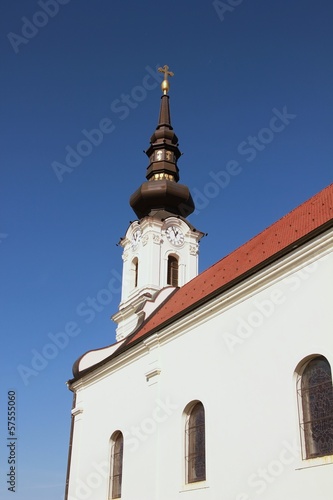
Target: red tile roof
(287,233)
(301,225)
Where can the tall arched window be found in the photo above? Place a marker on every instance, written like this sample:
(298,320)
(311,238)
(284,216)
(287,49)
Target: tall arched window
(135,271)
(195,448)
(315,392)
(116,471)
(172,278)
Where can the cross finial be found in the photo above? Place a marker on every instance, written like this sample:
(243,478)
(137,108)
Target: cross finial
(165,84)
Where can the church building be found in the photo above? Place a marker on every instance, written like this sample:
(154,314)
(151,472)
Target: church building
(219,386)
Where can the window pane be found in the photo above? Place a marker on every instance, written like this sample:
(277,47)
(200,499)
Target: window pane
(117,466)
(196,459)
(317,403)
(135,272)
(172,278)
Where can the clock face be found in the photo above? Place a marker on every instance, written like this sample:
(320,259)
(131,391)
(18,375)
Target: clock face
(175,235)
(136,238)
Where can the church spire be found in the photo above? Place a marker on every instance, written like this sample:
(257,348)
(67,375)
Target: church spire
(160,250)
(161,195)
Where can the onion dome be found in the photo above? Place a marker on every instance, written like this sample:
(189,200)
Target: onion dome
(161,193)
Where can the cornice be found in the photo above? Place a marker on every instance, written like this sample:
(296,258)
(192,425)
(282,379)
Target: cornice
(109,367)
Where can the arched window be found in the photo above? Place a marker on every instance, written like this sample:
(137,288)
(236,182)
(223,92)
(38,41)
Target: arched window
(135,271)
(315,392)
(172,278)
(116,474)
(195,453)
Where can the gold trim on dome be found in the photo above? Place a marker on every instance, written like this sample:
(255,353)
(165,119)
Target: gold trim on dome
(162,175)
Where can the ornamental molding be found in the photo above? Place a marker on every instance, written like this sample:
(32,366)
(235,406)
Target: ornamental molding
(157,239)
(145,239)
(152,342)
(125,256)
(152,373)
(77,411)
(194,249)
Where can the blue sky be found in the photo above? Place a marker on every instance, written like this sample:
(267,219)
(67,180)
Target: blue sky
(251,103)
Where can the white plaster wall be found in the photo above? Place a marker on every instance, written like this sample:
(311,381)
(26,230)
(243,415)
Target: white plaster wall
(244,376)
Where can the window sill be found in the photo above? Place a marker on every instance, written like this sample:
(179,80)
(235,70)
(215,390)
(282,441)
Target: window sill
(315,462)
(200,485)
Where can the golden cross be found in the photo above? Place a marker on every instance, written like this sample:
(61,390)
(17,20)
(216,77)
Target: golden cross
(166,71)
(165,84)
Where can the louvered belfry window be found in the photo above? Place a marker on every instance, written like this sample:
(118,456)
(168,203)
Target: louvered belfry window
(316,393)
(195,444)
(172,271)
(116,466)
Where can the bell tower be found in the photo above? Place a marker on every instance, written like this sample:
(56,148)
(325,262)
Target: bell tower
(160,248)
